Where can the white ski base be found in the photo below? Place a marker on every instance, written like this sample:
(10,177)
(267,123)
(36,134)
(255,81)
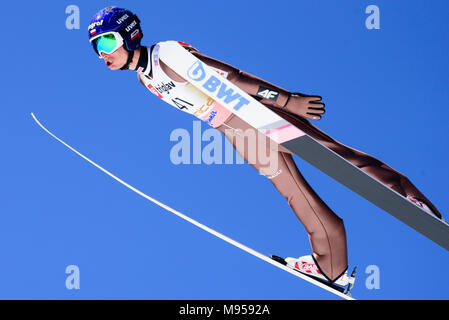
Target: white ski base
(205,228)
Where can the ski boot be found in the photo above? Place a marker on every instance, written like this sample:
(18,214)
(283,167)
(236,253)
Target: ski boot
(306,265)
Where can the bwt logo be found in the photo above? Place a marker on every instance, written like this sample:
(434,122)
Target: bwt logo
(213,84)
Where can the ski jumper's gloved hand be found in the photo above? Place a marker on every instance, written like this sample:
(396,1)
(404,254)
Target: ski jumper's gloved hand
(305,105)
(269,94)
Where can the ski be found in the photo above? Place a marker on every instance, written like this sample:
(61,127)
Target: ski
(283,132)
(280,265)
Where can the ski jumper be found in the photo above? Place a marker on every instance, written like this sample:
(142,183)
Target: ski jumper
(325,229)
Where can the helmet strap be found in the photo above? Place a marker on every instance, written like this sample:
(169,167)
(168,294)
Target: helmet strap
(128,61)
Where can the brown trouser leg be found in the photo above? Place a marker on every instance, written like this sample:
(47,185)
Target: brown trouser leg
(374,167)
(326,230)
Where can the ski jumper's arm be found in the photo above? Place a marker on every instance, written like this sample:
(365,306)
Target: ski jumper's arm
(267,93)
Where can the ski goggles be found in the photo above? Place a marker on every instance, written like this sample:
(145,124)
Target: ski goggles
(107,42)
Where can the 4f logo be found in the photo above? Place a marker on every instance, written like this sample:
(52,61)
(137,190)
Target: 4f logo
(267,93)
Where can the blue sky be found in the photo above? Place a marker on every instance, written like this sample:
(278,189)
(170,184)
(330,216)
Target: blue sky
(386,93)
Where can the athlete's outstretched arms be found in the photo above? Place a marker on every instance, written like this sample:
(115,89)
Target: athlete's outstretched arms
(267,93)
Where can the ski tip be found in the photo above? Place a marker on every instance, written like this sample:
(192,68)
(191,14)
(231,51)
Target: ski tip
(33,116)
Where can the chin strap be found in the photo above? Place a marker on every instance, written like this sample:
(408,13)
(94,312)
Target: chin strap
(128,61)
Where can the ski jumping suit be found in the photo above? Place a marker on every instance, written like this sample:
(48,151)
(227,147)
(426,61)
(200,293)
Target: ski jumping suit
(325,229)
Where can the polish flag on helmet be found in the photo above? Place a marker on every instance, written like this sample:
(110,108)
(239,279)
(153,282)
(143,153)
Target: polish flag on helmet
(135,34)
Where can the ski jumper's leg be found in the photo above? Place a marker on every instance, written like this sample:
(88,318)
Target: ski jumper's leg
(325,229)
(374,167)
(367,163)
